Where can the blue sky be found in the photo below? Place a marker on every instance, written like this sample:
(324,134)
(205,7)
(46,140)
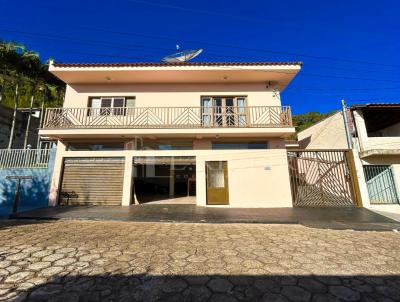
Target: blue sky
(350,49)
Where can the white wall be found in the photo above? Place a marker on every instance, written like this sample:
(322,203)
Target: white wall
(170,95)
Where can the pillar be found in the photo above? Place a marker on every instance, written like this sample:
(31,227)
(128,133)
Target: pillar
(56,177)
(172,180)
(127,189)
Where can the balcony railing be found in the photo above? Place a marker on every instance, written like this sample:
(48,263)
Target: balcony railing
(24,158)
(168,117)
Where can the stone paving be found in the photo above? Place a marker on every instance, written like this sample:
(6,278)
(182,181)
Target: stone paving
(126,261)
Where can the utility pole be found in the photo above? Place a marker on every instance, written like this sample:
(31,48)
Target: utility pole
(10,142)
(28,124)
(346,125)
(41,118)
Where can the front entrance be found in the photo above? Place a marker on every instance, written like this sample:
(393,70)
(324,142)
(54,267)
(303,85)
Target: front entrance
(164,180)
(217,182)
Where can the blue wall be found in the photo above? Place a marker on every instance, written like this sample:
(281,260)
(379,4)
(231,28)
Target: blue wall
(34,193)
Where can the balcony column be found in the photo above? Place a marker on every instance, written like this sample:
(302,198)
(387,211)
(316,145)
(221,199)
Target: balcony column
(127,188)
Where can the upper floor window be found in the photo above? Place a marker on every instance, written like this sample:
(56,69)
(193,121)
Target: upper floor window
(110,105)
(223,111)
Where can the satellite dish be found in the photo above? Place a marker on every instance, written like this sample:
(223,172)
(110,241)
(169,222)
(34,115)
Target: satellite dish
(182,56)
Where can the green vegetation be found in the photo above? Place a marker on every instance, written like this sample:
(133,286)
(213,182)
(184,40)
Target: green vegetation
(23,67)
(305,120)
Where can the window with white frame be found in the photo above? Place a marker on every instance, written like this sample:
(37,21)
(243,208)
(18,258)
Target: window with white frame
(110,105)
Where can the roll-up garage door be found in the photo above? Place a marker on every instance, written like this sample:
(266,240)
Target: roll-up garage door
(92,181)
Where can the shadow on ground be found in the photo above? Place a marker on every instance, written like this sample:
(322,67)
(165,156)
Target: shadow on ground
(215,288)
(11,223)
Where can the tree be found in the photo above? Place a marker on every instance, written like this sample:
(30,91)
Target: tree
(22,73)
(32,58)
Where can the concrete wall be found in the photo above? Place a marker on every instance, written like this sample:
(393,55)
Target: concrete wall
(326,134)
(171,95)
(6,115)
(34,193)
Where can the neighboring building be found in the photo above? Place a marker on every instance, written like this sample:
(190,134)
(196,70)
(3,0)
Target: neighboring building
(328,133)
(207,133)
(375,132)
(6,115)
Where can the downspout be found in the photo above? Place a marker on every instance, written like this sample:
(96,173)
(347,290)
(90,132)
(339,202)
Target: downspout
(346,125)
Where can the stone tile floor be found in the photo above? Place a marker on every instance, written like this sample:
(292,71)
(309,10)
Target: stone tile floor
(129,261)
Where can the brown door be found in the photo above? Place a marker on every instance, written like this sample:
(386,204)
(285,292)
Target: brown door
(217,182)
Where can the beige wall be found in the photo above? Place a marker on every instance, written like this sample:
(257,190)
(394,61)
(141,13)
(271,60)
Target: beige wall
(327,134)
(256,178)
(172,95)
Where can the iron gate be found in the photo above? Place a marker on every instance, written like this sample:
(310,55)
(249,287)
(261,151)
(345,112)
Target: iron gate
(321,178)
(380,184)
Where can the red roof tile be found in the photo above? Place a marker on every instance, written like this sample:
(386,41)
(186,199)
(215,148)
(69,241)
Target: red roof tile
(161,64)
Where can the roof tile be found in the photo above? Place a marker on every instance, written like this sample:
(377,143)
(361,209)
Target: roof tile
(161,64)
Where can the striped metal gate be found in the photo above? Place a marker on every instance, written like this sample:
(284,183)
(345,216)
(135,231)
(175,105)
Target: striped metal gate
(380,184)
(321,178)
(92,181)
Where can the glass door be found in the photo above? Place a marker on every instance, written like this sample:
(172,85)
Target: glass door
(223,111)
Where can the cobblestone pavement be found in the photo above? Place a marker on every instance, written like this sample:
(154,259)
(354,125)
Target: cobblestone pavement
(124,261)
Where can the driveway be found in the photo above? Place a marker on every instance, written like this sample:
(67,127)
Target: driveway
(130,261)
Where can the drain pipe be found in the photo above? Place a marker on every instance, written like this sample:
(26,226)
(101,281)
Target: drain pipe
(346,125)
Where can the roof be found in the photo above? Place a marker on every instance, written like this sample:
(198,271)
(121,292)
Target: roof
(378,116)
(161,64)
(375,105)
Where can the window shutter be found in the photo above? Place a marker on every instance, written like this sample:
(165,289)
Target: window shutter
(130,102)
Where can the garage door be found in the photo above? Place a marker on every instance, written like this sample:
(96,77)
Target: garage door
(92,181)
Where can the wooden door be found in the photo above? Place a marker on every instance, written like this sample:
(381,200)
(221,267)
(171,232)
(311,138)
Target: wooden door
(217,182)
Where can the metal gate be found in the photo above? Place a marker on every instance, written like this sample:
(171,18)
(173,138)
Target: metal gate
(380,184)
(321,178)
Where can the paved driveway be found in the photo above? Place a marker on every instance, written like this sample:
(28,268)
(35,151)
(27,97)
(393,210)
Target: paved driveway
(128,261)
(334,218)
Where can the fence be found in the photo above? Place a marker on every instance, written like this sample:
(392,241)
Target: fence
(24,158)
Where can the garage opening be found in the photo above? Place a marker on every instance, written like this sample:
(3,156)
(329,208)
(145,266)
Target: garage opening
(94,181)
(164,180)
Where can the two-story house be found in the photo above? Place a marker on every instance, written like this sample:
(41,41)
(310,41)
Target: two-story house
(203,133)
(374,132)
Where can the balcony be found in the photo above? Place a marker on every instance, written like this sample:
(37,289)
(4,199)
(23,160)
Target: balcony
(168,117)
(374,146)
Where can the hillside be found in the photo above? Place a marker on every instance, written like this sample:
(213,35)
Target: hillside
(305,120)
(19,65)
